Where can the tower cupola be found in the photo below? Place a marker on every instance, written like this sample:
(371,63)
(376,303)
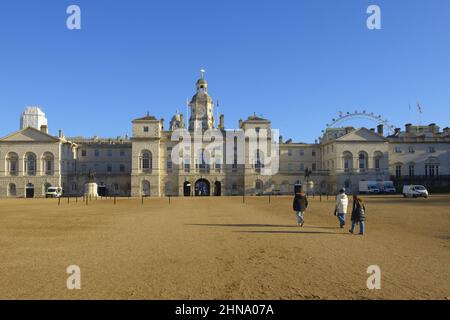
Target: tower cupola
(202,113)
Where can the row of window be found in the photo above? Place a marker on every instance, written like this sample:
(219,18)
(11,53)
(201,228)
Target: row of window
(302,167)
(363,161)
(411,149)
(108,168)
(108,153)
(301,152)
(29,164)
(431,170)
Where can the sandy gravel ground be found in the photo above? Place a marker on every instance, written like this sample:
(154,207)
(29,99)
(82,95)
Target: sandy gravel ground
(220,248)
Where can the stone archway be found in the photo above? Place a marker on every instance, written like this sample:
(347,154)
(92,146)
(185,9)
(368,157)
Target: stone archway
(202,188)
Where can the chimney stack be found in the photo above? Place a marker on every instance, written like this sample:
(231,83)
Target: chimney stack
(397,131)
(447,130)
(408,127)
(222,122)
(380,129)
(372,129)
(60,133)
(44,128)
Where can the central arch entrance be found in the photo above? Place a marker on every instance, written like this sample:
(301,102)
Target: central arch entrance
(202,188)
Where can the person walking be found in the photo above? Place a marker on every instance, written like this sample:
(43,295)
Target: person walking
(358,215)
(341,207)
(300,204)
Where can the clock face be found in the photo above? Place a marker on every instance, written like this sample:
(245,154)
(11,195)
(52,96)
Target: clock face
(201,111)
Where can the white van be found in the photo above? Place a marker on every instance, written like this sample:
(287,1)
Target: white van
(368,187)
(388,187)
(415,191)
(54,192)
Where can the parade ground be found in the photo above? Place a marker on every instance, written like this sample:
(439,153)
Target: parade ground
(222,248)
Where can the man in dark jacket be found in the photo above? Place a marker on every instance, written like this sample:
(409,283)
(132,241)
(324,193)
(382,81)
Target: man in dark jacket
(300,204)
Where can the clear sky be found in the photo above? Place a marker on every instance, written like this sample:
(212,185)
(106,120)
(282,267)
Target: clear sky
(297,63)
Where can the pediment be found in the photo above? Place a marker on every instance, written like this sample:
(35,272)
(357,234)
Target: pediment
(362,134)
(29,135)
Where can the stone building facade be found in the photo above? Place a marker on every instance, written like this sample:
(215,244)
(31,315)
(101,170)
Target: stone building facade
(198,156)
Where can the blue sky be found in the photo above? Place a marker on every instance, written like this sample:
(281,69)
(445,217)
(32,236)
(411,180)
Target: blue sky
(295,62)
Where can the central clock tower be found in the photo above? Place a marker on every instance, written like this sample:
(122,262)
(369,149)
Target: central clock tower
(202,107)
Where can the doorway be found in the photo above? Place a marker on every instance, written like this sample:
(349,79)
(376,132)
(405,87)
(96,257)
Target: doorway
(202,188)
(217,189)
(29,190)
(102,191)
(187,189)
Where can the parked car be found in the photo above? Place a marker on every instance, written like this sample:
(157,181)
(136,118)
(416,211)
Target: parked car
(415,191)
(54,192)
(368,187)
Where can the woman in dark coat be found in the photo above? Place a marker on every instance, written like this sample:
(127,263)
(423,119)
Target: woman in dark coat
(299,205)
(358,215)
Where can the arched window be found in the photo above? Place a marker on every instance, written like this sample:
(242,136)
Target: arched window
(48,163)
(203,159)
(259,160)
(347,158)
(12,191)
(146,161)
(12,164)
(432,167)
(377,160)
(363,161)
(30,164)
